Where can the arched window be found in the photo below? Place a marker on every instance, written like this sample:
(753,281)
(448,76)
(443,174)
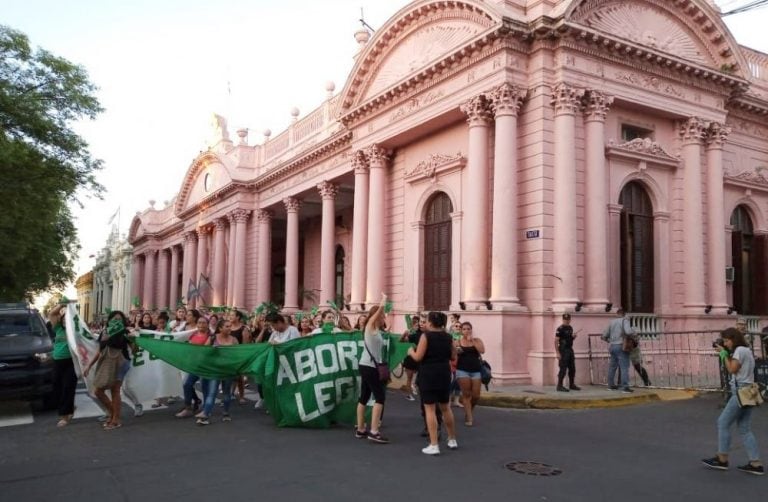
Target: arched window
(742,244)
(636,249)
(437,253)
(339,273)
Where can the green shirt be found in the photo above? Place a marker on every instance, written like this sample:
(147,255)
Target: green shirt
(60,346)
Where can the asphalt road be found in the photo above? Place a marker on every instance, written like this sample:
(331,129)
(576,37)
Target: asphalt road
(646,452)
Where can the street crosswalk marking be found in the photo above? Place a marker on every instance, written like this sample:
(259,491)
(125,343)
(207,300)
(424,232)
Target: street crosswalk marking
(15,413)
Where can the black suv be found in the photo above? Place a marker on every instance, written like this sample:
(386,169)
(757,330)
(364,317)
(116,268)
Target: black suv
(26,350)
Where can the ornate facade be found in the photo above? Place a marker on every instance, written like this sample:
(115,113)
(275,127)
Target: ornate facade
(84,287)
(112,277)
(507,159)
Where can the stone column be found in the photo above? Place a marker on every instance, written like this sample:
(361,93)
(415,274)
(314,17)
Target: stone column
(219,263)
(190,265)
(136,274)
(149,279)
(264,285)
(202,263)
(328,192)
(162,301)
(566,101)
(692,133)
(662,293)
(174,278)
(238,295)
(359,230)
(378,160)
(718,297)
(505,103)
(292,206)
(595,202)
(477,186)
(231,259)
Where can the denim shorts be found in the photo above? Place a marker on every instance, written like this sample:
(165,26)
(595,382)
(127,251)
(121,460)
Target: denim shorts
(474,375)
(123,370)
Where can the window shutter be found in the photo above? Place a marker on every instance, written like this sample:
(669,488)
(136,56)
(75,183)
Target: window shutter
(759,279)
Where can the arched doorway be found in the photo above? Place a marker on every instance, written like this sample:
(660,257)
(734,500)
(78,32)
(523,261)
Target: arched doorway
(437,253)
(637,271)
(742,252)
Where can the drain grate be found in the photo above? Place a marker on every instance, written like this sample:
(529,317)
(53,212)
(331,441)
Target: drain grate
(533,468)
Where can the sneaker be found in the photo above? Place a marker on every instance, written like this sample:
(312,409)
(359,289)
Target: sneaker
(452,444)
(138,410)
(258,404)
(757,470)
(613,387)
(226,418)
(627,390)
(409,397)
(432,449)
(171,401)
(414,390)
(103,418)
(203,421)
(574,387)
(377,438)
(360,435)
(186,412)
(715,463)
(560,388)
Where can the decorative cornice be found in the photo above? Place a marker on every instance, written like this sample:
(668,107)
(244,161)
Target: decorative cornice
(596,105)
(642,150)
(757,177)
(506,99)
(328,190)
(477,110)
(692,130)
(292,204)
(566,99)
(435,164)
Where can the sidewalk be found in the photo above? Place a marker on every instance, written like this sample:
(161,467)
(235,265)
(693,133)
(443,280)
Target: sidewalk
(547,398)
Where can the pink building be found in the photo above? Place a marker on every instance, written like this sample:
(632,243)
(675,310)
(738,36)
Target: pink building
(510,160)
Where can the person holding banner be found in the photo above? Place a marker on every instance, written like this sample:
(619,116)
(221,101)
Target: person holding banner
(372,383)
(180,323)
(222,338)
(110,361)
(200,337)
(435,353)
(64,377)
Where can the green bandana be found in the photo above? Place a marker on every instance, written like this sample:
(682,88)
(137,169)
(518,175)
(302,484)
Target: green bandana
(115,327)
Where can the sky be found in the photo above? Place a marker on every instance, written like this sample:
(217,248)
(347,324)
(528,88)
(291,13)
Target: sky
(163,66)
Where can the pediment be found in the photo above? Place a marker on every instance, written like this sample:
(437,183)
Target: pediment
(207,174)
(418,49)
(645,24)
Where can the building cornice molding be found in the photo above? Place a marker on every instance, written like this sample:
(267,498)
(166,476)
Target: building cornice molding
(642,150)
(435,165)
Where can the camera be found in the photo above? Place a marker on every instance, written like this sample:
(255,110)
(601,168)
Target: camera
(718,343)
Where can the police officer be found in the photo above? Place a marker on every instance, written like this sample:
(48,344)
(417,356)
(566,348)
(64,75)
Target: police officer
(564,337)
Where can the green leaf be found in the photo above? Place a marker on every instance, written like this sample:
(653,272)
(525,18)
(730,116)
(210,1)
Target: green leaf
(388,307)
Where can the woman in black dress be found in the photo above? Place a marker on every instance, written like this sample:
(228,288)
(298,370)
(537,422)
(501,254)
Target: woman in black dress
(435,353)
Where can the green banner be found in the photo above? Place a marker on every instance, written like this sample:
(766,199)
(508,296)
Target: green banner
(308,382)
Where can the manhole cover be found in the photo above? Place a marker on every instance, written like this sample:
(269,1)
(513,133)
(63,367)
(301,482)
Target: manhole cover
(533,468)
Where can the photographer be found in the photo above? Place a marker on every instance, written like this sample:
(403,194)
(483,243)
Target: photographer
(740,364)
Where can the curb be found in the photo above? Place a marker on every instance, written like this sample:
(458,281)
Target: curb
(544,403)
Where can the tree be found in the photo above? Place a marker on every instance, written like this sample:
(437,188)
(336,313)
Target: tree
(44,165)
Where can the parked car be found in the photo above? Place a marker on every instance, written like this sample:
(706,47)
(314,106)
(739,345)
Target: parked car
(26,354)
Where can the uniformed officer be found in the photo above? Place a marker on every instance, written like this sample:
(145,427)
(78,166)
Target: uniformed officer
(564,337)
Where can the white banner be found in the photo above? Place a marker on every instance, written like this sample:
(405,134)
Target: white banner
(148,378)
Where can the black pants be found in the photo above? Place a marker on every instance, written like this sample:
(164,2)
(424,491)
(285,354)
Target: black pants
(64,384)
(371,384)
(567,363)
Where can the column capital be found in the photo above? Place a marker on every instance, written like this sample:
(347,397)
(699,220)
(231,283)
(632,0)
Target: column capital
(596,105)
(202,232)
(717,134)
(241,215)
(377,156)
(359,162)
(328,190)
(506,99)
(264,215)
(220,223)
(566,99)
(692,130)
(190,236)
(477,110)
(292,204)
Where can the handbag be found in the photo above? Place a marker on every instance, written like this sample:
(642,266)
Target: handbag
(381,367)
(749,395)
(485,373)
(628,342)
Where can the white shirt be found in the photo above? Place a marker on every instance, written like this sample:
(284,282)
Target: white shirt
(291,333)
(178,325)
(318,331)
